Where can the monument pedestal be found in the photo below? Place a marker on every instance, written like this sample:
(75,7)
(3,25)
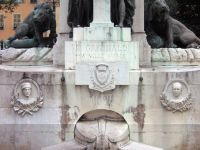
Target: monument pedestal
(102,34)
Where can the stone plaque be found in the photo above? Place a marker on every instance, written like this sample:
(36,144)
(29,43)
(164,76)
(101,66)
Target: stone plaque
(27,97)
(176,96)
(96,51)
(102,76)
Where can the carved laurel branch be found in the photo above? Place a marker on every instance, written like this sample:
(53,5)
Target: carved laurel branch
(23,109)
(184,105)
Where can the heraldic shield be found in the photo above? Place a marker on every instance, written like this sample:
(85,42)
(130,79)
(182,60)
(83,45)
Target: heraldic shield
(102,78)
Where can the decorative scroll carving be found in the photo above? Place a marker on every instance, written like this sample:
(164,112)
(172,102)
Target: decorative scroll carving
(176,96)
(27,97)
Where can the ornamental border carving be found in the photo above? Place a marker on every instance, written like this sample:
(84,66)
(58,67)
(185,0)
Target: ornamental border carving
(22,108)
(180,106)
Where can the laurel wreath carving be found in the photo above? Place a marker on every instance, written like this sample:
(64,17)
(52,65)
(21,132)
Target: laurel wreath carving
(176,106)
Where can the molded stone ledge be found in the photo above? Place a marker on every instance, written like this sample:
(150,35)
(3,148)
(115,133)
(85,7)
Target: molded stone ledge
(25,57)
(175,56)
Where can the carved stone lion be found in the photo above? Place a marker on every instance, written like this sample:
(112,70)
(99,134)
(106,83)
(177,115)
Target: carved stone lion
(30,32)
(167,31)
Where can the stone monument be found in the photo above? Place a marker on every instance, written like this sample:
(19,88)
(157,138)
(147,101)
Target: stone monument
(103,89)
(101,57)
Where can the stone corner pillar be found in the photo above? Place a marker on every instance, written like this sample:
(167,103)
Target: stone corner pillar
(63,35)
(140,35)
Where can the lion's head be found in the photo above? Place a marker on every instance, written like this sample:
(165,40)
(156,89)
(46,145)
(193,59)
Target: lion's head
(159,10)
(42,13)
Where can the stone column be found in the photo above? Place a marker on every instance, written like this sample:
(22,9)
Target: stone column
(64,28)
(101,13)
(140,35)
(59,48)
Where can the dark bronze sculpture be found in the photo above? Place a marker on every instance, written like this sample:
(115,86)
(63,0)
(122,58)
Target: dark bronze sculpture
(30,32)
(167,31)
(85,12)
(80,13)
(129,12)
(72,18)
(122,12)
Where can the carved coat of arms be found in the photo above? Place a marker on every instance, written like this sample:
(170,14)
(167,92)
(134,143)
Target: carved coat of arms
(102,78)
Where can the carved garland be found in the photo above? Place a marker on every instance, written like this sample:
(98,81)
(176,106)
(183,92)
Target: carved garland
(23,109)
(184,105)
(173,106)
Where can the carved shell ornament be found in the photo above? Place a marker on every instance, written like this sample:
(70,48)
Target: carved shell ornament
(27,97)
(176,96)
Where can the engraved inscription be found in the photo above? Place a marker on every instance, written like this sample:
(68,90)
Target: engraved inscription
(107,51)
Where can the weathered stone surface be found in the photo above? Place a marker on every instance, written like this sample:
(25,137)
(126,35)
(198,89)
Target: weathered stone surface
(71,145)
(145,92)
(139,146)
(101,129)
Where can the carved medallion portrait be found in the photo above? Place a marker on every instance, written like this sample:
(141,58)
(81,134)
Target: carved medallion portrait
(102,78)
(27,97)
(176,96)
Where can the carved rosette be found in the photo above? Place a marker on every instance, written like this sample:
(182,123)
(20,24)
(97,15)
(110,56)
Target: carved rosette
(176,96)
(102,78)
(27,97)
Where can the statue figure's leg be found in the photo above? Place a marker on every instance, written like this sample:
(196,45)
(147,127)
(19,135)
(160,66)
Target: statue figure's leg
(130,12)
(72,18)
(80,12)
(115,12)
(84,13)
(90,10)
(121,12)
(86,8)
